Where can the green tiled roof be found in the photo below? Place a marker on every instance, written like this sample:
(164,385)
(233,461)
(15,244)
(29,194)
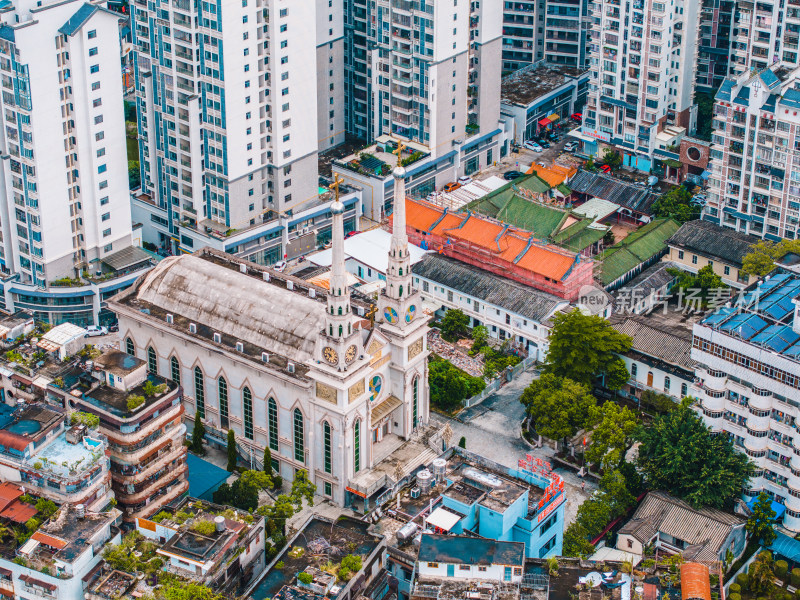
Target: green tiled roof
(639,247)
(563,189)
(578,236)
(532,216)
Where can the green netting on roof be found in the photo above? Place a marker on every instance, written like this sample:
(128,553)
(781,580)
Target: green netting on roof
(582,239)
(640,246)
(540,219)
(563,189)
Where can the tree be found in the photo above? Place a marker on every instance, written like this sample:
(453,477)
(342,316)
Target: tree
(612,158)
(239,494)
(556,406)
(186,591)
(449,385)
(705,284)
(705,108)
(761,578)
(583,347)
(480,336)
(130,111)
(455,324)
(46,508)
(198,433)
(761,258)
(302,488)
(677,204)
(678,453)
(462,443)
(760,523)
(267,460)
(614,487)
(612,434)
(258,479)
(232,455)
(590,164)
(134,175)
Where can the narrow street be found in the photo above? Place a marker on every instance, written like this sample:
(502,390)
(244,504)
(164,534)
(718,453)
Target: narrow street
(493,430)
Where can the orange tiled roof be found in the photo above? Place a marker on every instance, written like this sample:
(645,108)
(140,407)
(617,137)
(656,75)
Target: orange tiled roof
(421,215)
(695,583)
(511,246)
(49,540)
(479,232)
(554,174)
(546,262)
(450,221)
(19,512)
(9,492)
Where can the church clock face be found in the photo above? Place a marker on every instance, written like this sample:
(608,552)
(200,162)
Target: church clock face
(390,314)
(329,354)
(411,312)
(350,354)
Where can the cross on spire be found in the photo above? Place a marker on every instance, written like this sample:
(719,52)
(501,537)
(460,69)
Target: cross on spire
(334,186)
(400,148)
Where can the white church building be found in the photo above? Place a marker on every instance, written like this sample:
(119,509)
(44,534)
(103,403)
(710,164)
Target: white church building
(289,365)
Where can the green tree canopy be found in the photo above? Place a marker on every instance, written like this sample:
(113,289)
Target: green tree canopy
(761,577)
(455,324)
(198,433)
(679,454)
(612,434)
(583,347)
(700,285)
(612,158)
(232,455)
(676,204)
(557,407)
(760,525)
(763,255)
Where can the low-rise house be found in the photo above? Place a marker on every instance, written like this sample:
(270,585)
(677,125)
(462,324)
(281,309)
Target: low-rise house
(700,243)
(660,355)
(63,340)
(54,561)
(14,325)
(647,291)
(470,558)
(509,310)
(208,543)
(140,415)
(671,525)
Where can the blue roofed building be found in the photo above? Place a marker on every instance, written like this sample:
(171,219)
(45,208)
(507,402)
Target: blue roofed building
(748,381)
(753,187)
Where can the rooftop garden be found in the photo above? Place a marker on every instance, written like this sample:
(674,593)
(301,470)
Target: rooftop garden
(14,535)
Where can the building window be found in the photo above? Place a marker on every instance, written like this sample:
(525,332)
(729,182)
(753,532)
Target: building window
(199,393)
(694,259)
(328,489)
(299,446)
(726,270)
(272,410)
(433,565)
(94,69)
(152,361)
(680,254)
(634,370)
(667,383)
(551,543)
(222,390)
(175,369)
(357,447)
(684,390)
(129,347)
(415,405)
(92,34)
(326,440)
(247,408)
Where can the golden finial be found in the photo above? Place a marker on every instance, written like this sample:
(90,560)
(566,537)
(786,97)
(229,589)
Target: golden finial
(334,187)
(400,148)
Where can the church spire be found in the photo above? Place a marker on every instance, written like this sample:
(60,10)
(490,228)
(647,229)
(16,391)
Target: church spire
(339,316)
(398,274)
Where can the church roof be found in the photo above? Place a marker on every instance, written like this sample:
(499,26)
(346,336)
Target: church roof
(209,290)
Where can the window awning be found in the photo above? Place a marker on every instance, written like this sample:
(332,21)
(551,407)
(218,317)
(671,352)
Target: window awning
(443,519)
(384,408)
(544,122)
(553,118)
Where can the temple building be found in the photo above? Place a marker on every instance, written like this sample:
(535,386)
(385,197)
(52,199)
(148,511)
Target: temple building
(328,380)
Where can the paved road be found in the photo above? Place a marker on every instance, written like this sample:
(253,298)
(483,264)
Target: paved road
(492,429)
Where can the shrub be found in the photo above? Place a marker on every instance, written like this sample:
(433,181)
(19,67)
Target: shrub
(279,564)
(135,402)
(795,577)
(742,580)
(160,516)
(81,418)
(734,596)
(735,588)
(781,568)
(204,527)
(305,578)
(37,465)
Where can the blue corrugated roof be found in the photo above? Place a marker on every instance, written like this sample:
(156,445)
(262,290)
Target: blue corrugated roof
(787,547)
(791,97)
(743,97)
(769,105)
(76,21)
(770,79)
(724,92)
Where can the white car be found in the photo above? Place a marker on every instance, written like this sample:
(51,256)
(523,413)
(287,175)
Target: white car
(280,266)
(465,180)
(570,146)
(94,331)
(533,146)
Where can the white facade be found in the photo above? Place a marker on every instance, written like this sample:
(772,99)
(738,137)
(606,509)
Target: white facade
(642,60)
(64,201)
(493,572)
(246,95)
(754,185)
(767,33)
(748,387)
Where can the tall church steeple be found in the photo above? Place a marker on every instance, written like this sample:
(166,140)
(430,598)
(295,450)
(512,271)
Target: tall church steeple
(340,341)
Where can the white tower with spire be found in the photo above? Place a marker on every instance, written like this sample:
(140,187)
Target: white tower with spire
(340,343)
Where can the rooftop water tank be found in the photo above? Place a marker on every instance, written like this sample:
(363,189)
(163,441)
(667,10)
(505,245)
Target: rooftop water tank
(219,521)
(439,466)
(406,532)
(424,481)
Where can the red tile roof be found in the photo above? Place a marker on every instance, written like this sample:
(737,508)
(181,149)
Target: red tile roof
(12,440)
(695,582)
(49,540)
(19,512)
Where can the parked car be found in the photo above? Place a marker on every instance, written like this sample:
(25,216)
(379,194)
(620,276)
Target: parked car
(533,146)
(570,146)
(350,234)
(280,266)
(452,186)
(94,331)
(544,143)
(464,180)
(541,164)
(113,328)
(577,117)
(509,175)
(605,169)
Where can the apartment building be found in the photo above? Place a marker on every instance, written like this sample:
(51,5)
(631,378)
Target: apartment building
(642,57)
(765,33)
(425,71)
(714,47)
(754,186)
(64,203)
(748,361)
(233,103)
